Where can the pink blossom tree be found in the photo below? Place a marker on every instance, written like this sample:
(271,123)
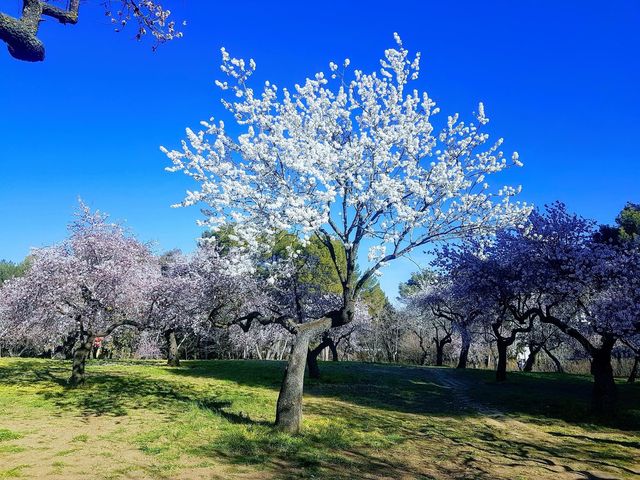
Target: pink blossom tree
(96,281)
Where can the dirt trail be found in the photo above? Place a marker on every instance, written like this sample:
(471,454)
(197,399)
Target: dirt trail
(458,390)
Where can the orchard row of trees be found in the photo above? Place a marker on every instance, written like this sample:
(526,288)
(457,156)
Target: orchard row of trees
(310,178)
(553,281)
(558,287)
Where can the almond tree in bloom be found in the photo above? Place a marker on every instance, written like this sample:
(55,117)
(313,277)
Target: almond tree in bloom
(449,308)
(348,157)
(21,33)
(588,290)
(196,292)
(556,273)
(98,280)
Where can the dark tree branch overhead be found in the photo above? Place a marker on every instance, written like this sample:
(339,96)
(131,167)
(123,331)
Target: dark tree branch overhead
(20,34)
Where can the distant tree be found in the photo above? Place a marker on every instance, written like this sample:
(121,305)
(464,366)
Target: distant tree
(21,33)
(98,280)
(10,269)
(554,272)
(348,161)
(625,231)
(448,306)
(195,293)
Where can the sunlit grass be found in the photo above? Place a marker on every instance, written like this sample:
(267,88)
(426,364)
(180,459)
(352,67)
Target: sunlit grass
(214,419)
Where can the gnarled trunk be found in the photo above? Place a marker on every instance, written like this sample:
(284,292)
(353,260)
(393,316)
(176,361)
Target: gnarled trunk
(501,370)
(312,363)
(172,348)
(289,407)
(440,344)
(312,357)
(423,357)
(66,349)
(80,359)
(554,359)
(604,396)
(439,354)
(531,359)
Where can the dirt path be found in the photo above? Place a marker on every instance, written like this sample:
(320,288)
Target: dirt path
(458,389)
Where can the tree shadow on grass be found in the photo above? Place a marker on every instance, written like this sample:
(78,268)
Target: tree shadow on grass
(544,397)
(329,449)
(114,394)
(402,389)
(411,389)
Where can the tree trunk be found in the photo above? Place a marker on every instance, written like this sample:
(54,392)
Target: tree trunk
(439,354)
(80,359)
(531,359)
(603,400)
(289,407)
(334,351)
(464,351)
(634,370)
(501,371)
(312,363)
(66,349)
(423,357)
(440,344)
(172,348)
(554,359)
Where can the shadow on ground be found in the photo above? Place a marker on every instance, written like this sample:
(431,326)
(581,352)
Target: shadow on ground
(368,408)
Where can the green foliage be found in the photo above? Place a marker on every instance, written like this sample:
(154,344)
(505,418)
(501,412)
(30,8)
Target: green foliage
(628,221)
(314,266)
(626,229)
(415,283)
(9,269)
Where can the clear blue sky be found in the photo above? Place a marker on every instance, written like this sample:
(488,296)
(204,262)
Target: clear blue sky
(559,79)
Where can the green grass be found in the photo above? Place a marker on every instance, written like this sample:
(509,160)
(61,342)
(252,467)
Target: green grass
(214,420)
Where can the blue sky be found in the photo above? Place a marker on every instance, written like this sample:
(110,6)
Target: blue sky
(559,81)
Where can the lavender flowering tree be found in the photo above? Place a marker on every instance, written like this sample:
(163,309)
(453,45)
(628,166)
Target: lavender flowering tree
(98,280)
(556,273)
(352,158)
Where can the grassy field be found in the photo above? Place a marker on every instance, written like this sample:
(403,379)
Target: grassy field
(212,420)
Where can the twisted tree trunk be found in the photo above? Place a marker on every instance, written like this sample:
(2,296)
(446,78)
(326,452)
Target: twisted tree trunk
(440,344)
(312,358)
(289,407)
(501,370)
(80,359)
(554,359)
(334,350)
(534,349)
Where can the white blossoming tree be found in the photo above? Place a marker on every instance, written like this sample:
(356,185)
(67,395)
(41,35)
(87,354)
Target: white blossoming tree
(21,33)
(352,158)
